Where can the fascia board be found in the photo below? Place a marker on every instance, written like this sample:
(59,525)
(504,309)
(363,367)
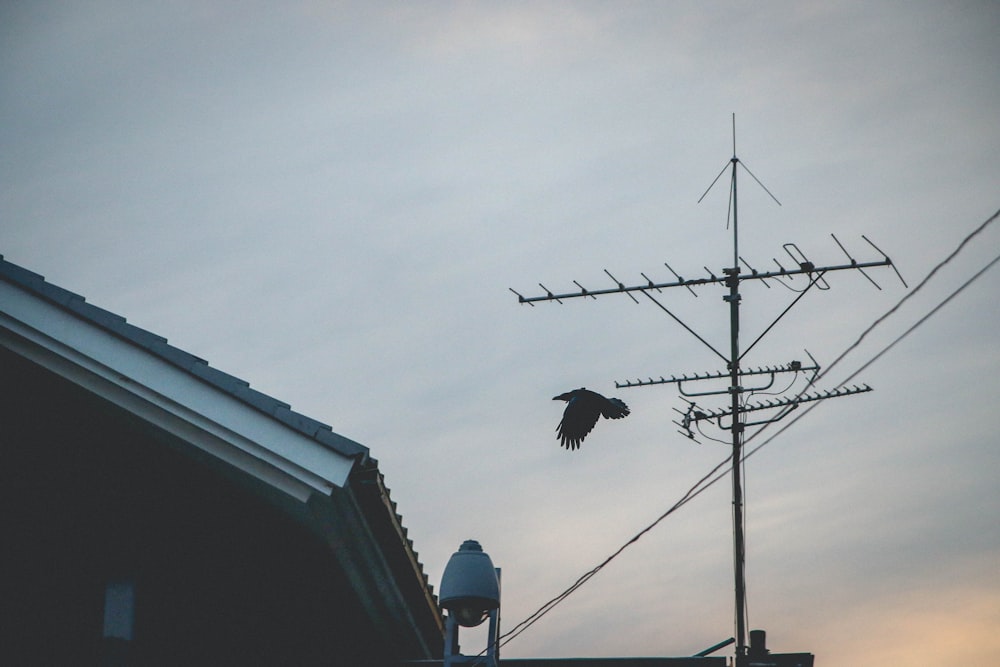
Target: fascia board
(169,396)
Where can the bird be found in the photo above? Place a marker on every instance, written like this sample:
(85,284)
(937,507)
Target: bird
(583,408)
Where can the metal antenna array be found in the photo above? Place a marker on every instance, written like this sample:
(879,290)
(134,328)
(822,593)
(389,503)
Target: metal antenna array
(733,418)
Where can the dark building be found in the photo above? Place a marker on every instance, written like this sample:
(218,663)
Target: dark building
(157,511)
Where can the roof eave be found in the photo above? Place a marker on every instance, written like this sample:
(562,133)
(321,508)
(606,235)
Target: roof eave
(129,376)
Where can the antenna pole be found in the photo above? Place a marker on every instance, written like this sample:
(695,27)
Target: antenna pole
(735,391)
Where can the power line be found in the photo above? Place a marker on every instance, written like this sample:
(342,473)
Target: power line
(919,322)
(881,352)
(702,485)
(693,492)
(916,289)
(937,267)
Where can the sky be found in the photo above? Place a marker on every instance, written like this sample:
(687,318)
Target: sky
(332,201)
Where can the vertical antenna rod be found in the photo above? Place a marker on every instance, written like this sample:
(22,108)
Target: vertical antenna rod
(737,426)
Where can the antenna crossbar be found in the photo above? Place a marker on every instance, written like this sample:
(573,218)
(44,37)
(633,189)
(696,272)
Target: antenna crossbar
(791,367)
(621,288)
(719,414)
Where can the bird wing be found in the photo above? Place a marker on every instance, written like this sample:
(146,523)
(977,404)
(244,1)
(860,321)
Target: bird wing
(578,420)
(614,408)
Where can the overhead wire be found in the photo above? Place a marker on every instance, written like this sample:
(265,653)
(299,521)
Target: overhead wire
(895,308)
(693,492)
(879,355)
(915,290)
(710,478)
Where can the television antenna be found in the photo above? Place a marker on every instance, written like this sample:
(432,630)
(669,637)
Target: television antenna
(740,413)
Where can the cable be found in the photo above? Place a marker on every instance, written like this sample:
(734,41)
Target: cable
(916,289)
(877,356)
(923,319)
(692,493)
(965,241)
(708,480)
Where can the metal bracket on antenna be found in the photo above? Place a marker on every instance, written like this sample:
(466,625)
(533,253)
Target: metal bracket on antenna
(679,279)
(549,294)
(686,421)
(651,285)
(782,272)
(804,266)
(584,292)
(754,272)
(520,297)
(621,286)
(800,258)
(854,263)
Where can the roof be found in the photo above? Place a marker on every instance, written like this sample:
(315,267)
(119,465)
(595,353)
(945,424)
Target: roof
(714,661)
(323,479)
(197,367)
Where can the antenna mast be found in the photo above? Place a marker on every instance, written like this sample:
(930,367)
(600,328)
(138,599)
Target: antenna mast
(739,552)
(732,277)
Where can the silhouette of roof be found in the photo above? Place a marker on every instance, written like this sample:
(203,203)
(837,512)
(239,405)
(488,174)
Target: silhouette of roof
(348,464)
(199,368)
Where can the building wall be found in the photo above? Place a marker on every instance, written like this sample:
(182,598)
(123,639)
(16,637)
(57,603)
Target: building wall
(91,496)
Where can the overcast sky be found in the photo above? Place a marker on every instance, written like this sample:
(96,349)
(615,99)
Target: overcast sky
(331,200)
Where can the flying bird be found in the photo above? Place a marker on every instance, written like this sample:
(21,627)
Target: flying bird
(583,408)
